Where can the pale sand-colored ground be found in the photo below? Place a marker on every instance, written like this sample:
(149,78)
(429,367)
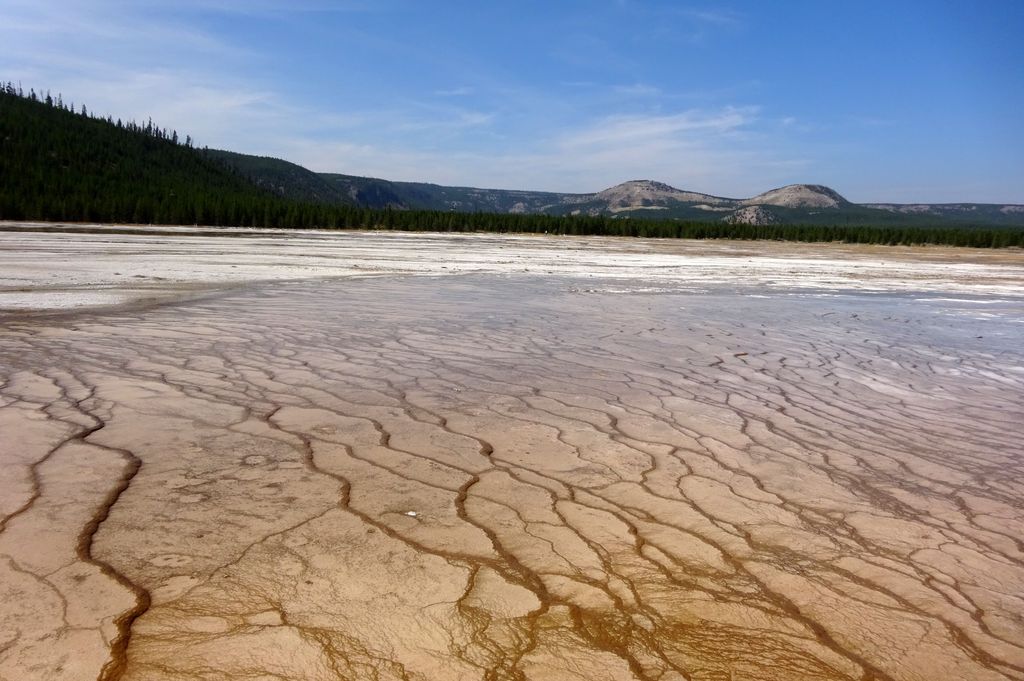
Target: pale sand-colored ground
(577,459)
(55,270)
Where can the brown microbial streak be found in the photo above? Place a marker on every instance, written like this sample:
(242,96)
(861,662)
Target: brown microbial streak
(64,409)
(466,478)
(114,669)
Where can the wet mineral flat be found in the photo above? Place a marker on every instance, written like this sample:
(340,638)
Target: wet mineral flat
(297,457)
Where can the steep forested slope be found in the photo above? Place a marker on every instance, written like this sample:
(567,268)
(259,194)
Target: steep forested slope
(56,164)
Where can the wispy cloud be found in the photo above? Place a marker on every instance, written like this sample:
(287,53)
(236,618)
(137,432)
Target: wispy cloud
(638,90)
(716,17)
(699,26)
(455,120)
(870,121)
(461,91)
(670,130)
(105,28)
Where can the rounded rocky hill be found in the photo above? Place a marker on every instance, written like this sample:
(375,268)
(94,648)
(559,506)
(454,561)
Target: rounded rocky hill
(799,196)
(648,193)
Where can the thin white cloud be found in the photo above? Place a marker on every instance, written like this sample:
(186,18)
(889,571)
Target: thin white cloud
(638,90)
(666,130)
(461,91)
(108,28)
(273,6)
(699,26)
(717,16)
(870,121)
(456,120)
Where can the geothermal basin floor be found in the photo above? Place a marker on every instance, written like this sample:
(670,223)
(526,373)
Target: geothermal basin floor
(245,455)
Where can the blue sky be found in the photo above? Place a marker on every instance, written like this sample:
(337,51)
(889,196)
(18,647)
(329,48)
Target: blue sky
(883,101)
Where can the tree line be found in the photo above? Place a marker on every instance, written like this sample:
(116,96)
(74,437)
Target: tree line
(59,163)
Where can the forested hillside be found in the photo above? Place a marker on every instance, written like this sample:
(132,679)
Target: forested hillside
(60,164)
(281,178)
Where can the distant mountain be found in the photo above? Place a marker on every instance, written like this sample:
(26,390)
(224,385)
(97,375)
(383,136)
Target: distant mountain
(799,196)
(981,213)
(58,164)
(792,204)
(375,193)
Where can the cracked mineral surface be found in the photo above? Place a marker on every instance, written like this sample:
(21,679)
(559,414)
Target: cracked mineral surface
(274,456)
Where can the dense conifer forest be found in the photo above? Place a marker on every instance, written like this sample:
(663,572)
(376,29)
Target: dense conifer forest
(62,163)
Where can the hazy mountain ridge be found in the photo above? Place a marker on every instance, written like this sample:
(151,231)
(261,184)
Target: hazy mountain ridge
(59,165)
(649,195)
(378,193)
(990,213)
(791,204)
